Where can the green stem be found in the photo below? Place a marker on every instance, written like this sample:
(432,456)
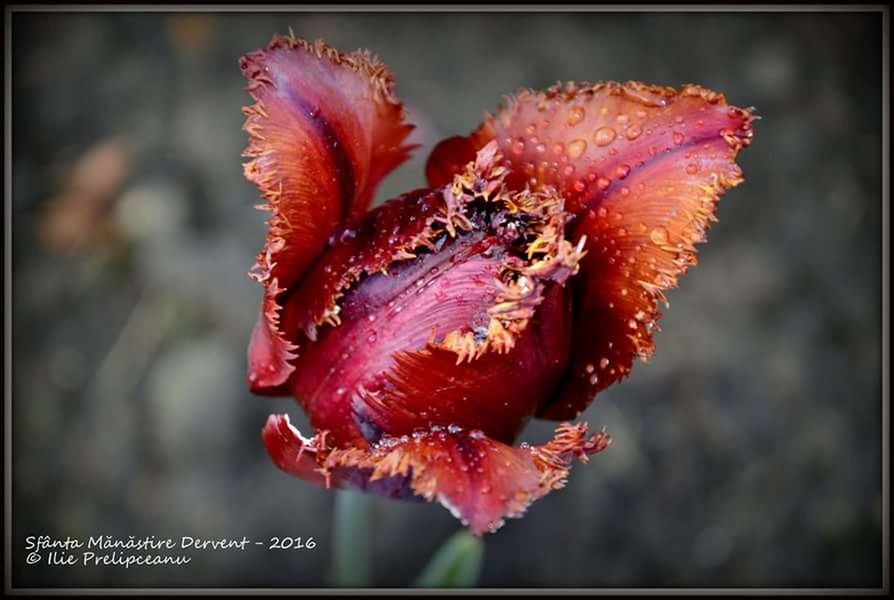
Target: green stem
(351,540)
(456,564)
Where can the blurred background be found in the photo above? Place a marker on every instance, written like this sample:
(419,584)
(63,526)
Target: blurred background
(746,453)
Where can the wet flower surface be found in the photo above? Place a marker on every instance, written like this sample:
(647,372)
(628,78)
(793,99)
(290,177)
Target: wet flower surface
(421,336)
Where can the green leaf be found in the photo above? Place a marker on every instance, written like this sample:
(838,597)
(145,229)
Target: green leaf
(351,564)
(457,563)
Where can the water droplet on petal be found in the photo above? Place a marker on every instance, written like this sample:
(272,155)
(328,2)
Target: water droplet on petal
(659,236)
(518,147)
(603,363)
(604,136)
(576,148)
(678,138)
(633,132)
(692,168)
(603,182)
(575,115)
(622,171)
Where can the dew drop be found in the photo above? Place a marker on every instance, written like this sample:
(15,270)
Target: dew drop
(678,138)
(576,148)
(603,363)
(579,186)
(541,148)
(692,168)
(590,368)
(633,132)
(604,136)
(631,324)
(659,236)
(518,147)
(603,182)
(594,379)
(559,148)
(575,115)
(622,171)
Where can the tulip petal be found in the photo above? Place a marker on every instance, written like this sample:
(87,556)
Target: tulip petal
(642,238)
(496,393)
(418,302)
(325,128)
(305,458)
(269,353)
(448,159)
(583,139)
(481,481)
(641,167)
(394,231)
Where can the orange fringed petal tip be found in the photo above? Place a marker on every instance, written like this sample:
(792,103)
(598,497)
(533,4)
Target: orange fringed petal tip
(420,337)
(324,129)
(481,481)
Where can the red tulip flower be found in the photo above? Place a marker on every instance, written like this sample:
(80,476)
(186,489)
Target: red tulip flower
(422,335)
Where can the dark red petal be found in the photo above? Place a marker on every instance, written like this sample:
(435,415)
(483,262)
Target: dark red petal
(417,302)
(449,158)
(584,138)
(640,240)
(324,129)
(479,480)
(496,393)
(269,353)
(306,458)
(390,232)
(641,167)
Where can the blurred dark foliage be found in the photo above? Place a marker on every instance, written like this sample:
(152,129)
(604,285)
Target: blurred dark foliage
(746,453)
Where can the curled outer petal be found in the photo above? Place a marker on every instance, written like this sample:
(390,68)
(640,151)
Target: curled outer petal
(324,129)
(481,481)
(641,168)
